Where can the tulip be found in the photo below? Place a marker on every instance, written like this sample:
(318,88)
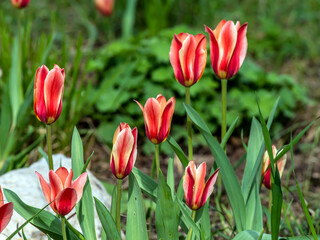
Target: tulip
(105,7)
(20,3)
(6,211)
(266,173)
(48,93)
(188,57)
(196,191)
(157,115)
(62,191)
(124,151)
(228,48)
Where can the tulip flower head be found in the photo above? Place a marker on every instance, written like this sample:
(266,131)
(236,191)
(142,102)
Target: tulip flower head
(20,3)
(266,173)
(64,192)
(157,113)
(228,48)
(188,57)
(48,93)
(124,151)
(105,7)
(6,211)
(196,191)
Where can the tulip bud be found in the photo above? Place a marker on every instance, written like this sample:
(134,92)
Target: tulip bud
(6,211)
(61,190)
(20,3)
(196,191)
(105,7)
(228,48)
(157,115)
(188,57)
(48,93)
(124,151)
(266,173)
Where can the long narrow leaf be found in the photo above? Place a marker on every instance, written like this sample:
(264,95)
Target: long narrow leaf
(147,184)
(177,149)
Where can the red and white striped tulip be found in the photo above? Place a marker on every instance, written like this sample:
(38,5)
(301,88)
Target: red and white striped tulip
(48,93)
(266,173)
(228,48)
(188,57)
(105,7)
(157,113)
(20,3)
(196,191)
(124,151)
(64,192)
(6,211)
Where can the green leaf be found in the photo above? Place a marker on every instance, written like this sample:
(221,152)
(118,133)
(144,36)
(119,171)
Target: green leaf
(203,217)
(146,183)
(177,149)
(251,235)
(136,218)
(107,221)
(166,221)
(85,209)
(229,132)
(227,173)
(170,175)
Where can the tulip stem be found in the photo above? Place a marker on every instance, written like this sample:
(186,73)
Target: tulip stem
(118,205)
(63,228)
(157,159)
(189,124)
(224,109)
(190,229)
(49,147)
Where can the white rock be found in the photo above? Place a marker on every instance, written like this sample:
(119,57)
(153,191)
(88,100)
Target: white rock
(25,184)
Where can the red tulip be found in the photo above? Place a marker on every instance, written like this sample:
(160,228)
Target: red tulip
(20,3)
(188,57)
(266,173)
(64,192)
(157,115)
(105,7)
(48,93)
(196,191)
(124,151)
(6,211)
(228,48)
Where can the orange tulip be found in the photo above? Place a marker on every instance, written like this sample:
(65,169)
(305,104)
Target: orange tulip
(124,151)
(48,93)
(266,173)
(196,191)
(20,3)
(188,57)
(228,48)
(64,192)
(105,7)
(157,115)
(6,211)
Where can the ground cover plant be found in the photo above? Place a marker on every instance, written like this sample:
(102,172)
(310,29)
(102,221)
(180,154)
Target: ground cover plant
(147,89)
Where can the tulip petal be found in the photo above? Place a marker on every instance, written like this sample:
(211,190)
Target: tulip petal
(199,185)
(45,187)
(188,183)
(239,53)
(78,185)
(38,99)
(63,174)
(55,184)
(267,179)
(200,58)
(151,116)
(166,120)
(217,30)
(53,92)
(175,60)
(1,198)
(66,201)
(187,55)
(209,187)
(133,155)
(162,101)
(214,50)
(6,212)
(68,182)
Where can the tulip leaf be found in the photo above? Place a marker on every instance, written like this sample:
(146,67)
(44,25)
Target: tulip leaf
(45,221)
(170,175)
(166,221)
(136,218)
(227,173)
(229,132)
(85,208)
(202,216)
(107,221)
(251,235)
(177,149)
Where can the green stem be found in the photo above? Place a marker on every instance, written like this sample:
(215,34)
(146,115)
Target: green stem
(118,204)
(49,147)
(190,229)
(63,228)
(189,124)
(224,109)
(156,146)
